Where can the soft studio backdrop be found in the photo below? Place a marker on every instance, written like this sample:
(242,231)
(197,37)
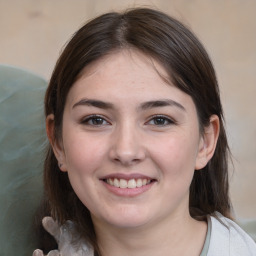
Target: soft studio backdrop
(32,33)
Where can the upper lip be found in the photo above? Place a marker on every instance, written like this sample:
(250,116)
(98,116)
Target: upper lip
(127,176)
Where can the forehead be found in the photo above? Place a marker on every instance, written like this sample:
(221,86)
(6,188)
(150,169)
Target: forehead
(127,75)
(123,66)
(130,59)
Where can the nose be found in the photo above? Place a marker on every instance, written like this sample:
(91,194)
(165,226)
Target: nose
(127,146)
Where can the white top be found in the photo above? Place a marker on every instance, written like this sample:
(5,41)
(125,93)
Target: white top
(228,239)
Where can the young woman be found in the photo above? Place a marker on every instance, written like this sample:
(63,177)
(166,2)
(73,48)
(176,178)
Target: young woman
(138,156)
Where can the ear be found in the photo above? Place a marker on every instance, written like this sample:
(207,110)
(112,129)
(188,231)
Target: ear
(208,142)
(56,143)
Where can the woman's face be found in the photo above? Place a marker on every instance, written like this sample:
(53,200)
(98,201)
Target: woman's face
(130,142)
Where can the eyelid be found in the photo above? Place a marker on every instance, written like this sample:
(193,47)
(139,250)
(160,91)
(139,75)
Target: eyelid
(89,117)
(169,119)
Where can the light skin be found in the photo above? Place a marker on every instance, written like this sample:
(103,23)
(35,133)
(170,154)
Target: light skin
(123,121)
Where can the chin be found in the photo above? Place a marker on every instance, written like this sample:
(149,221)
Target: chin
(128,223)
(128,219)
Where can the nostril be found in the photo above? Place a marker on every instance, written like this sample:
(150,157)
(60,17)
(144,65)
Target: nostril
(127,161)
(127,154)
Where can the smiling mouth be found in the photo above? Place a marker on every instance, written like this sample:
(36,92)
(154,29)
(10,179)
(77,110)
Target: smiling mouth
(131,183)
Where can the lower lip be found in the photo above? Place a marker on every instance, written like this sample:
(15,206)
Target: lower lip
(128,192)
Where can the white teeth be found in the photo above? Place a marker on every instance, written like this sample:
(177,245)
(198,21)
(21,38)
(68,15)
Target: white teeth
(116,183)
(132,183)
(139,183)
(123,183)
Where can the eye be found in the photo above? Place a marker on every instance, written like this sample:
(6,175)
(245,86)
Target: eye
(95,120)
(160,121)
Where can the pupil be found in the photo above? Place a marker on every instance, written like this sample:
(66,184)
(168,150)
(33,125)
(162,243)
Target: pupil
(159,121)
(97,121)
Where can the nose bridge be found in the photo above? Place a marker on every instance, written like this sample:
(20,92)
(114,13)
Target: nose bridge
(127,145)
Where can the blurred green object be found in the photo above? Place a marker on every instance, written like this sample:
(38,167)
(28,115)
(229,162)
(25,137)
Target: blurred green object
(22,147)
(249,226)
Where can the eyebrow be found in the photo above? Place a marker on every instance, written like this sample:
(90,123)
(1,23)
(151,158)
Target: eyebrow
(161,103)
(143,106)
(94,103)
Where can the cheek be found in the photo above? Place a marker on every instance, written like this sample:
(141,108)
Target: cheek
(83,153)
(176,156)
(84,157)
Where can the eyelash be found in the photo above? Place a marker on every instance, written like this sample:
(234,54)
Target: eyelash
(163,118)
(93,118)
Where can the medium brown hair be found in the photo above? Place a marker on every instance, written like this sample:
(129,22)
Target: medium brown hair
(166,40)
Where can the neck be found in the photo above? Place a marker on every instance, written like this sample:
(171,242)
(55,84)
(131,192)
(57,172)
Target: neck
(179,235)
